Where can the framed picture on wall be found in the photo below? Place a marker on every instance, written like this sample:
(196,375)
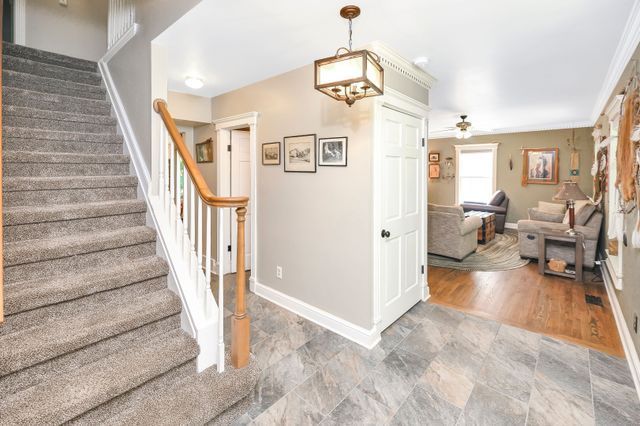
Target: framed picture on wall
(300,154)
(332,151)
(271,154)
(434,171)
(434,157)
(540,165)
(204,151)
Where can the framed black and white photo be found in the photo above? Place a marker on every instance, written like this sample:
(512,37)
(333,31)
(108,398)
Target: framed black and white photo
(271,154)
(300,154)
(332,151)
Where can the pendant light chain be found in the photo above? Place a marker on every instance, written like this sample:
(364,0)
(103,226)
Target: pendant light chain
(350,34)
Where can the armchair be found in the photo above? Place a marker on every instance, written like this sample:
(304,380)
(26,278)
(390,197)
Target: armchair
(498,204)
(450,233)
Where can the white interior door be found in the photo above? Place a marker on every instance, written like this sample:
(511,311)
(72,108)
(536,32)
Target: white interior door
(401,206)
(240,186)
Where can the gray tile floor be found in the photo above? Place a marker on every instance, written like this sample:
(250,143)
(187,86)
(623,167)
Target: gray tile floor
(433,366)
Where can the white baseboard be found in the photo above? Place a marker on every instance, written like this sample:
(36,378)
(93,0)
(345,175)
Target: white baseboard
(511,225)
(627,343)
(355,333)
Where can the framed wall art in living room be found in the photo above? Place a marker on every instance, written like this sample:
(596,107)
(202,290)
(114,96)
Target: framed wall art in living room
(300,153)
(540,165)
(204,151)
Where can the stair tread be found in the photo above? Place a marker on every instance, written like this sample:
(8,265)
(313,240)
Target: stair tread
(24,132)
(30,294)
(20,51)
(66,396)
(24,252)
(31,66)
(9,78)
(19,111)
(19,215)
(21,183)
(62,157)
(17,96)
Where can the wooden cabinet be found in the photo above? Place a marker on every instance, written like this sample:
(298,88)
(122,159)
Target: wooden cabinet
(486,232)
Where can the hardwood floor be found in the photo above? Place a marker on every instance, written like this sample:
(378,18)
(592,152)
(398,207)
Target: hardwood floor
(521,297)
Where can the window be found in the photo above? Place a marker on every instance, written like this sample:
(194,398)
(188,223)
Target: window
(476,172)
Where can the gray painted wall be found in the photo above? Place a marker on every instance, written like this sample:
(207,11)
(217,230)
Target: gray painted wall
(131,67)
(442,191)
(78,30)
(317,226)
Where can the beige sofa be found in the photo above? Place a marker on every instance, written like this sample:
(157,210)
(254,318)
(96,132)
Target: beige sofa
(528,238)
(450,233)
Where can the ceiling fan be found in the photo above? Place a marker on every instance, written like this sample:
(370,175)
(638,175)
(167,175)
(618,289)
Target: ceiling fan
(462,128)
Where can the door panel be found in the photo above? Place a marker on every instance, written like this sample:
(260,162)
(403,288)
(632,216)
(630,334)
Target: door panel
(401,198)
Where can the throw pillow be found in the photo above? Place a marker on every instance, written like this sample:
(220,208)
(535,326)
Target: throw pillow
(539,215)
(585,214)
(579,206)
(497,198)
(557,208)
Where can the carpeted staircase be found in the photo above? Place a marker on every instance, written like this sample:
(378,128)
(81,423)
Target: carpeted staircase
(92,334)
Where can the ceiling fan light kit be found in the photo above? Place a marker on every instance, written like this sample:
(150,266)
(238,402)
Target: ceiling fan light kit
(349,75)
(462,128)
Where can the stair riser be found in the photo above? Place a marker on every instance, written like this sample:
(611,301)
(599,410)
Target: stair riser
(33,375)
(49,58)
(40,84)
(61,266)
(51,102)
(68,227)
(28,66)
(68,196)
(58,125)
(65,169)
(44,145)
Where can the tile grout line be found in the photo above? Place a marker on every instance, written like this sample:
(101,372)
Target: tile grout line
(533,383)
(593,405)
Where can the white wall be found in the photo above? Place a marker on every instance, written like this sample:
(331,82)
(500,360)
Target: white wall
(78,30)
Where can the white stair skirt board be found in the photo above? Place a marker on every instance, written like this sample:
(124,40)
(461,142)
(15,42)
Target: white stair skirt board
(355,333)
(124,39)
(204,331)
(627,343)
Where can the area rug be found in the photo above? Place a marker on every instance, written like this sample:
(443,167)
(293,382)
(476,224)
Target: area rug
(501,254)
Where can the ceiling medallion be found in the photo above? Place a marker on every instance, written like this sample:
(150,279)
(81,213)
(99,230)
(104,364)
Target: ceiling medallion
(350,76)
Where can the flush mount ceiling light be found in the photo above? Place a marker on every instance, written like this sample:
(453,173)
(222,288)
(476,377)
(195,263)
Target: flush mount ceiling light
(350,76)
(421,61)
(462,131)
(194,82)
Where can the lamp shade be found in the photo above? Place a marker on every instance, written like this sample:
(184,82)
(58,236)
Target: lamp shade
(569,191)
(353,75)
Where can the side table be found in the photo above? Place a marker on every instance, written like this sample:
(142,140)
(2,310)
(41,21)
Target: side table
(486,232)
(577,240)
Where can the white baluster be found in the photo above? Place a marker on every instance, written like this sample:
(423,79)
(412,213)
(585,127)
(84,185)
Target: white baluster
(192,221)
(207,268)
(178,234)
(199,249)
(165,182)
(161,159)
(220,241)
(172,188)
(185,217)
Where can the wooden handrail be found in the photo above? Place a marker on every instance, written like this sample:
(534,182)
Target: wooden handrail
(160,106)
(240,324)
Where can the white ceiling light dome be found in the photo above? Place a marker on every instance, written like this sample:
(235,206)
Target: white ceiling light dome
(194,82)
(421,61)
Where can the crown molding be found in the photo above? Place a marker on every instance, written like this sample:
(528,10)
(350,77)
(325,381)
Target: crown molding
(624,52)
(522,129)
(395,61)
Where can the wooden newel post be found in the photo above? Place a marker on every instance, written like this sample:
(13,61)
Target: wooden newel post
(240,323)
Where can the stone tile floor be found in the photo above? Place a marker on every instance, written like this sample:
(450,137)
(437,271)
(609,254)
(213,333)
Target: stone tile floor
(433,366)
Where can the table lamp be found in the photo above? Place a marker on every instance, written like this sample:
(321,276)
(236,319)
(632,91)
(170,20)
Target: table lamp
(570,192)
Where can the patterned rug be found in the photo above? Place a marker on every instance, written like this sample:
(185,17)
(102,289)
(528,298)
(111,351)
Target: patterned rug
(501,254)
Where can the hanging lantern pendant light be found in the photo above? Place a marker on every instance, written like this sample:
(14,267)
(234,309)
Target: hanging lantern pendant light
(350,76)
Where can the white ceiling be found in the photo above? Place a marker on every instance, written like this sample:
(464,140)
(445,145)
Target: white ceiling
(509,65)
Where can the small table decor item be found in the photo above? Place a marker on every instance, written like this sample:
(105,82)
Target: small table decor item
(540,166)
(204,151)
(300,153)
(271,154)
(332,151)
(570,192)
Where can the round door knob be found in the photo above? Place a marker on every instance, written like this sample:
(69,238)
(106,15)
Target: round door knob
(385,234)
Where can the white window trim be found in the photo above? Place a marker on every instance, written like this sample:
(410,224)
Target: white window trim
(477,147)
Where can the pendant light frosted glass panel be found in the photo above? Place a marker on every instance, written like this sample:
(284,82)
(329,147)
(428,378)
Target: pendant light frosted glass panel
(338,75)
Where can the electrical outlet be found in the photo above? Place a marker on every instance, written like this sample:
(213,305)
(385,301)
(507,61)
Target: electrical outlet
(635,323)
(279,272)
